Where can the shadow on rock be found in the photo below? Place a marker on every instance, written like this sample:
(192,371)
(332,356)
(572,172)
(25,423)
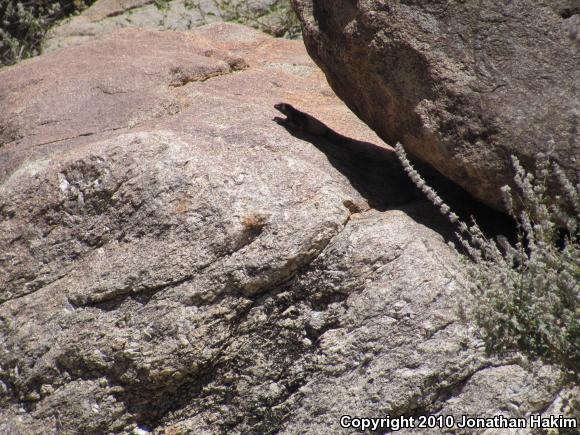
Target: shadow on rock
(376,173)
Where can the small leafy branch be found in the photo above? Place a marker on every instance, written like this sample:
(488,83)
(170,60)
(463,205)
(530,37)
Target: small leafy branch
(527,294)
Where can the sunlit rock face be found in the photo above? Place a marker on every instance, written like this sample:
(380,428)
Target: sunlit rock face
(174,261)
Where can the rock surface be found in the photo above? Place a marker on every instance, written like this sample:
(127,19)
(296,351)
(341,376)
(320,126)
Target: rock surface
(461,84)
(173,261)
(106,16)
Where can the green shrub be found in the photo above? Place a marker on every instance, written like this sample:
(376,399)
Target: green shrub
(24,23)
(526,294)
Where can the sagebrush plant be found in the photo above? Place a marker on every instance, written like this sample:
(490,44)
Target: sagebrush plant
(526,294)
(24,24)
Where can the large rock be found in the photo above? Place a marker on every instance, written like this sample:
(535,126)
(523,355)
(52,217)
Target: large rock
(173,261)
(461,84)
(106,16)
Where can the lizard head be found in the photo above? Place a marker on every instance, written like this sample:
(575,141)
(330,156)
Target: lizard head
(285,108)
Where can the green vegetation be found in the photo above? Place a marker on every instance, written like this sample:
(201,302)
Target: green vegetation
(162,5)
(526,294)
(24,24)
